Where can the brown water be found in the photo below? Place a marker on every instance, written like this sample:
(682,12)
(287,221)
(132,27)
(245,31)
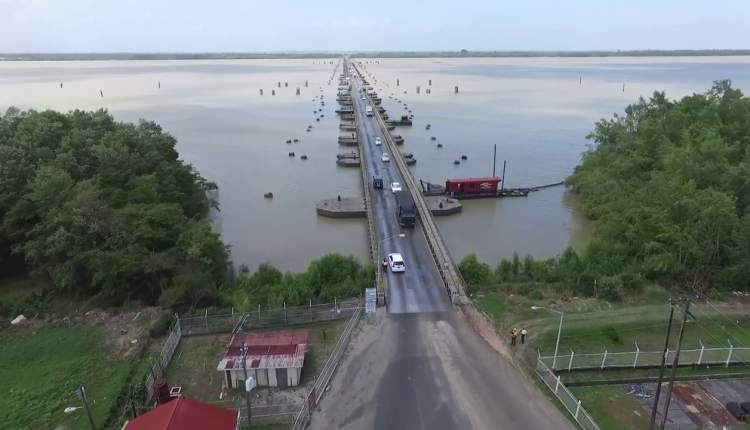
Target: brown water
(535,110)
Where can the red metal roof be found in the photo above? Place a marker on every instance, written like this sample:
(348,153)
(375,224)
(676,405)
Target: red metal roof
(185,414)
(486,179)
(272,343)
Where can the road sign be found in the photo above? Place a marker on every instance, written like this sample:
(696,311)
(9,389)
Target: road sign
(371,300)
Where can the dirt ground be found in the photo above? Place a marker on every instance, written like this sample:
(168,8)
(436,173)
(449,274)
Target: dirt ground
(127,334)
(194,368)
(695,405)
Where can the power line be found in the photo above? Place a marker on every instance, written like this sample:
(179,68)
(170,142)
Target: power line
(684,307)
(719,341)
(726,317)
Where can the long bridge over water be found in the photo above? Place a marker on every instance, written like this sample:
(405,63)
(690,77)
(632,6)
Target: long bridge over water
(426,361)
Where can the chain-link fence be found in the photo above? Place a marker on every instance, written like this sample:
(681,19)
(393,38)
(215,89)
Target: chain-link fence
(642,359)
(165,357)
(313,397)
(231,323)
(270,414)
(571,403)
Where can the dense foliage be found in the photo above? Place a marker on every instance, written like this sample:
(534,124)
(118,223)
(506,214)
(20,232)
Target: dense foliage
(333,276)
(668,184)
(106,209)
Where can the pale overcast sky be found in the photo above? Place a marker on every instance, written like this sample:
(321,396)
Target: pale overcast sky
(420,25)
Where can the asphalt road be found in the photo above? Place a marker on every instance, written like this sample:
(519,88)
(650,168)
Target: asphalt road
(419,289)
(419,364)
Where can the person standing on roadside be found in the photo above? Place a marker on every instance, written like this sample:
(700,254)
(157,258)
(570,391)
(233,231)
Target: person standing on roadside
(513,335)
(523,335)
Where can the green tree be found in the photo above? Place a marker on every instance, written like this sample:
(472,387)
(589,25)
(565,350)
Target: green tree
(667,183)
(105,209)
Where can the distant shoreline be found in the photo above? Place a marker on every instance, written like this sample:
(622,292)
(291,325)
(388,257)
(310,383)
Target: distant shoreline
(394,54)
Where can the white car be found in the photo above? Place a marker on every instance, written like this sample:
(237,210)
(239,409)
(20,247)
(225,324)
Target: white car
(395,186)
(396,262)
(364,98)
(378,142)
(385,158)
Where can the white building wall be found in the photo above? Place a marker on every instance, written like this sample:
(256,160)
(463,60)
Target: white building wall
(272,381)
(264,377)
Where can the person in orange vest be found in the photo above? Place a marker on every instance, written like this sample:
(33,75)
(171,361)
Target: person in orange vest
(513,335)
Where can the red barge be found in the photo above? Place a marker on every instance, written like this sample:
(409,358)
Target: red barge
(477,188)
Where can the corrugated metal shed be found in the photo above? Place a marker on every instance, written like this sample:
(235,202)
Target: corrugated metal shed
(274,350)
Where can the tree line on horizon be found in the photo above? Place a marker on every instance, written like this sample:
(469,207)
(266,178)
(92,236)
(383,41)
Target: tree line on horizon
(464,53)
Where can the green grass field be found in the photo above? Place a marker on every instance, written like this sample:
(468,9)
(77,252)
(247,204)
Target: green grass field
(41,369)
(591,326)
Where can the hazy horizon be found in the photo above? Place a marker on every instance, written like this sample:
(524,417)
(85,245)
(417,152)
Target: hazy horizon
(52,26)
(377,51)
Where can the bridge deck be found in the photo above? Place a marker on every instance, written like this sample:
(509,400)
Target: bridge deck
(418,364)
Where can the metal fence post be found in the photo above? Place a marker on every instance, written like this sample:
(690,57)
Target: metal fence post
(729,357)
(700,357)
(259,321)
(310,310)
(637,351)
(604,358)
(557,384)
(578,409)
(205,317)
(285,320)
(570,364)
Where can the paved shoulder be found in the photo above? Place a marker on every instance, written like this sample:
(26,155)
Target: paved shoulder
(430,371)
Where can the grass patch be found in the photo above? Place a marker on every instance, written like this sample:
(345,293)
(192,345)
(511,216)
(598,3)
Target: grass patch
(612,408)
(590,326)
(194,365)
(42,369)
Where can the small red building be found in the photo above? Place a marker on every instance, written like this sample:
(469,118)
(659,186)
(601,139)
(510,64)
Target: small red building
(469,186)
(274,359)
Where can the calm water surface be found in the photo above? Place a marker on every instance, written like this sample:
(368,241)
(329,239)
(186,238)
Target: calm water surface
(535,110)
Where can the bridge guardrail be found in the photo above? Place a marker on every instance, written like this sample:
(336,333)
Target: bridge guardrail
(373,237)
(447,268)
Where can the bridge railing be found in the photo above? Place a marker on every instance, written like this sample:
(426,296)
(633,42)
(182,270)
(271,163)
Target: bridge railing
(371,233)
(447,268)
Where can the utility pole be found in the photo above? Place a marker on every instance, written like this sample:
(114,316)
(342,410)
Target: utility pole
(663,367)
(82,397)
(684,306)
(243,362)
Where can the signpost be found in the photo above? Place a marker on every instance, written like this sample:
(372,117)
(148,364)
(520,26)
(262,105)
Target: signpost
(371,300)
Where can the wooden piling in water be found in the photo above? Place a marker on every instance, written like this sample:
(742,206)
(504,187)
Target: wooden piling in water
(455,89)
(261,92)
(397,82)
(273,92)
(429,82)
(417,89)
